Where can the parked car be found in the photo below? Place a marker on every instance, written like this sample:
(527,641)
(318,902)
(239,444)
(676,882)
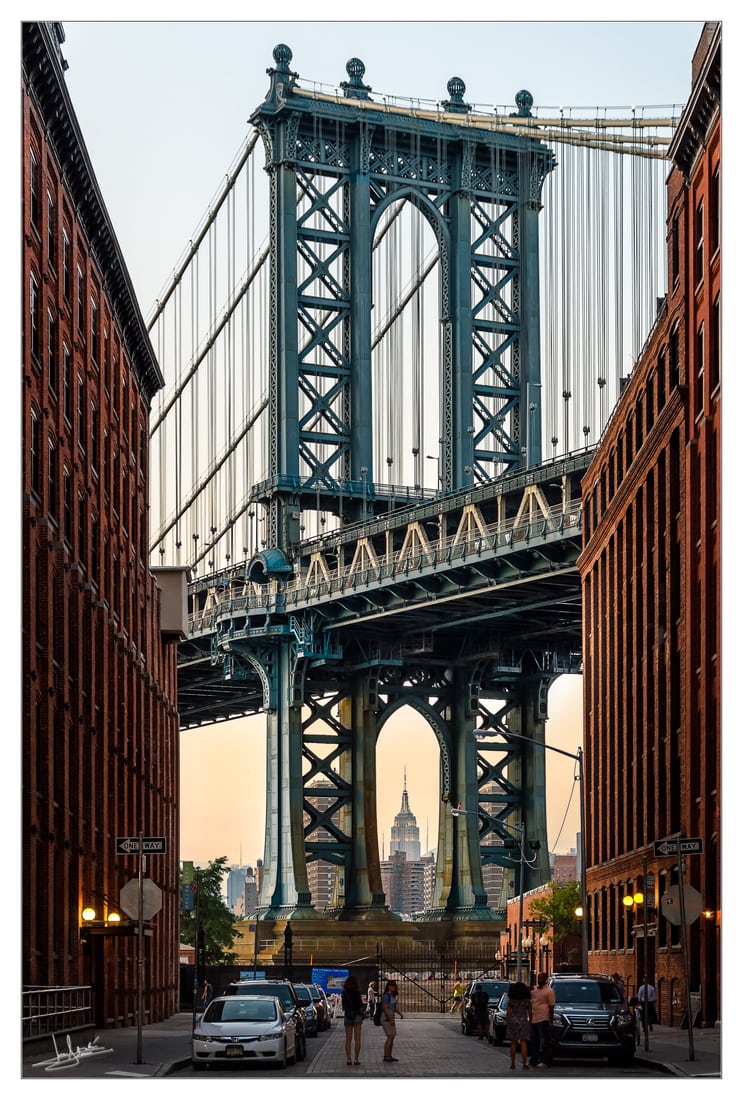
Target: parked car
(244,1029)
(497,1015)
(323,1008)
(284,990)
(592,1019)
(495,988)
(311,1011)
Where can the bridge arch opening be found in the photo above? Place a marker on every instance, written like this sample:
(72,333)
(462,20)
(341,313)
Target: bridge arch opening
(407,383)
(408,765)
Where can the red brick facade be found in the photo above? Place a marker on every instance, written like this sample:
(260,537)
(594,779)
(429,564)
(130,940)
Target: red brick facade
(651,594)
(100,725)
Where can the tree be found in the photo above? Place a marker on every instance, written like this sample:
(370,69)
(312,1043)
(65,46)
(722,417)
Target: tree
(211,914)
(558,910)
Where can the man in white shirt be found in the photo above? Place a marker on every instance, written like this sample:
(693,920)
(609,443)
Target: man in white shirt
(646,995)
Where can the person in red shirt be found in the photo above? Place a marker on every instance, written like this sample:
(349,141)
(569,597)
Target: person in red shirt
(542,1017)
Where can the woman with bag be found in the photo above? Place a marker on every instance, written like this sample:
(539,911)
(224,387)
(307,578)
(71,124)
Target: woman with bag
(353,1017)
(389,1011)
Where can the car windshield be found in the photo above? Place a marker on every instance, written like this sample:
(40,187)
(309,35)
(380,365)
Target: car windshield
(315,993)
(493,989)
(303,994)
(245,1010)
(585,992)
(281,991)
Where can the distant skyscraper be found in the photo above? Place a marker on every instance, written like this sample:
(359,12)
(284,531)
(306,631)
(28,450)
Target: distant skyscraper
(405,834)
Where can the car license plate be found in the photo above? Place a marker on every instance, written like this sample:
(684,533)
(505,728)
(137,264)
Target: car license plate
(590,1037)
(233,1051)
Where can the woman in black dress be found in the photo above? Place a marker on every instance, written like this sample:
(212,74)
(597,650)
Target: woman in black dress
(353,1017)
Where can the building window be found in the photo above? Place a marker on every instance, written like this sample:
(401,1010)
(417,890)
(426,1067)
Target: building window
(51,230)
(66,259)
(94,333)
(699,372)
(35,453)
(52,479)
(673,358)
(82,528)
(675,249)
(33,317)
(94,436)
(67,384)
(52,352)
(67,504)
(95,534)
(81,301)
(106,360)
(714,351)
(714,212)
(661,371)
(35,192)
(81,425)
(699,244)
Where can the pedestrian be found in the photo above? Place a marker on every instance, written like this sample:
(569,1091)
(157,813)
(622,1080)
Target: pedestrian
(518,1021)
(389,1011)
(371,999)
(542,1019)
(353,1017)
(456,996)
(206,995)
(480,1010)
(646,994)
(620,984)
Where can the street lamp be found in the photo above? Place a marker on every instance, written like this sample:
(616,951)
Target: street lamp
(364,472)
(288,950)
(522,861)
(577,756)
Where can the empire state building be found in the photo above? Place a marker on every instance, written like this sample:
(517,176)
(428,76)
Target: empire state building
(405,834)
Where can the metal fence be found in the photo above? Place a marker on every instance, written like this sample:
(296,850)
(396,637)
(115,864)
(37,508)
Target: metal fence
(426,976)
(47,1009)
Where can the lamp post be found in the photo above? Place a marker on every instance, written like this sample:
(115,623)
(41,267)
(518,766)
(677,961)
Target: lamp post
(631,901)
(522,861)
(288,949)
(578,757)
(364,472)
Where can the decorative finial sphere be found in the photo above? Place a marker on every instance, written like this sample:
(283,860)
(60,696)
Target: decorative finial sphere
(282,55)
(355,68)
(456,87)
(524,100)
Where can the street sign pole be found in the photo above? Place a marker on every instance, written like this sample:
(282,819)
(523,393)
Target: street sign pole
(140,947)
(685,951)
(645,944)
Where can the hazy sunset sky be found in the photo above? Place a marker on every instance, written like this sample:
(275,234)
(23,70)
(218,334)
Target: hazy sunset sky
(163,107)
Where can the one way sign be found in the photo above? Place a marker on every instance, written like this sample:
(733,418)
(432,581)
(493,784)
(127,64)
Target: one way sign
(129,845)
(691,845)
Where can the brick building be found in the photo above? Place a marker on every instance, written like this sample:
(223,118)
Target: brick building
(100,725)
(650,572)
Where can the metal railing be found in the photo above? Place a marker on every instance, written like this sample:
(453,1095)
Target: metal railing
(47,1009)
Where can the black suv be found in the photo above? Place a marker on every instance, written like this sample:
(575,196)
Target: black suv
(284,990)
(592,1019)
(495,988)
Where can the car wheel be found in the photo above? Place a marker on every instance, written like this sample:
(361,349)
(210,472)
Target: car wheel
(498,1039)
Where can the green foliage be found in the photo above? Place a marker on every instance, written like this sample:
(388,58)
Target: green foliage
(558,910)
(211,913)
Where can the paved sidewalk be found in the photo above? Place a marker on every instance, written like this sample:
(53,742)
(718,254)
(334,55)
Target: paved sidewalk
(426,1045)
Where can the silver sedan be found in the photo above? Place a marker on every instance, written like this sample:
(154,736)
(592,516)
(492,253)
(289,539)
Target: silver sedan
(244,1029)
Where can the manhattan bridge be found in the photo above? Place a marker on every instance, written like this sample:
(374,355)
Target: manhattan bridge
(391,347)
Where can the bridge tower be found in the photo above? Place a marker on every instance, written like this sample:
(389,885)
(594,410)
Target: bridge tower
(339,165)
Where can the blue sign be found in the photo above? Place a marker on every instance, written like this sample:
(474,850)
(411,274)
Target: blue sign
(331,980)
(187,897)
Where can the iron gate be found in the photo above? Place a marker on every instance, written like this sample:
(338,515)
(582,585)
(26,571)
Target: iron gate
(426,975)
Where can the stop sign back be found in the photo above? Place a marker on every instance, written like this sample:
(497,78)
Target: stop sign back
(152,899)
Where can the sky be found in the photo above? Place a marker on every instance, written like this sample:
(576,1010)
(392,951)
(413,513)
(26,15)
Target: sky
(163,107)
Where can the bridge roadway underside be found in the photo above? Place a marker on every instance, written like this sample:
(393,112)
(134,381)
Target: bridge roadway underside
(466,607)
